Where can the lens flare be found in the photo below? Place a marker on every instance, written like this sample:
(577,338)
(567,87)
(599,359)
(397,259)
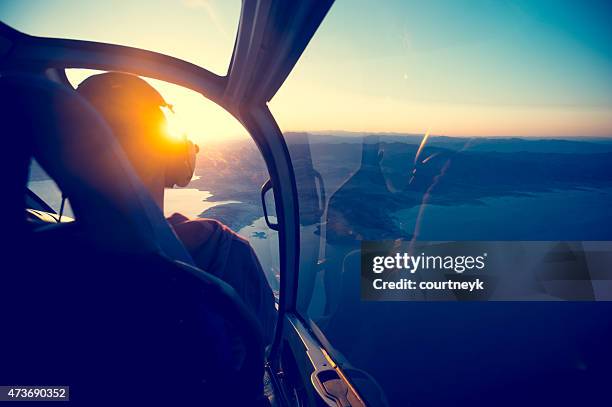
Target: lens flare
(421,146)
(173,127)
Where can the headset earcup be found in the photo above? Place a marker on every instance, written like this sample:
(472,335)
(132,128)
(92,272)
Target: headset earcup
(181,166)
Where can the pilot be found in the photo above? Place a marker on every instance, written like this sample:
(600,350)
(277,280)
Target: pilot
(133,109)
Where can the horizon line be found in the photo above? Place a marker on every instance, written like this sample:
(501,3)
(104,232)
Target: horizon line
(397,133)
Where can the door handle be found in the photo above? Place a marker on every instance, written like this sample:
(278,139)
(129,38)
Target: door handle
(264,189)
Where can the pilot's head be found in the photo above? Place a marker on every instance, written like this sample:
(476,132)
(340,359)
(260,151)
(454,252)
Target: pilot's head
(133,109)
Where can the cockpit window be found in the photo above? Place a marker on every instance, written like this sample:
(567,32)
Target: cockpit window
(45,189)
(198,31)
(443,121)
(229,171)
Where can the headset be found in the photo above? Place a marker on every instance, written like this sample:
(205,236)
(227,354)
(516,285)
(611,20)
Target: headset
(181,163)
(118,88)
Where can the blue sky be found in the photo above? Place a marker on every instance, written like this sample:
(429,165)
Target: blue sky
(457,67)
(469,67)
(481,51)
(200,31)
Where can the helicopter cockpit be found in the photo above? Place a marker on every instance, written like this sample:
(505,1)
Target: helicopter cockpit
(156,333)
(105,295)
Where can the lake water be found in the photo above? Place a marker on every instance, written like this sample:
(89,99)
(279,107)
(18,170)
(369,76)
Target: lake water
(265,243)
(558,215)
(190,202)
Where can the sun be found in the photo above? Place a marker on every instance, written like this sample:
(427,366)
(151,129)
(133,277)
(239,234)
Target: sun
(173,127)
(191,115)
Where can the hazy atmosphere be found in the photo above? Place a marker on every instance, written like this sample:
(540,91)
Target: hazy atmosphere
(467,67)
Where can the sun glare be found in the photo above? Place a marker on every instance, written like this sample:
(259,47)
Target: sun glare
(192,115)
(173,126)
(196,117)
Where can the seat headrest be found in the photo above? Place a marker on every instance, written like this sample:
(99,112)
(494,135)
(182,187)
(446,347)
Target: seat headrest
(76,147)
(14,167)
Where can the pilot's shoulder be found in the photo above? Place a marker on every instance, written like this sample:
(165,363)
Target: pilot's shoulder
(223,229)
(196,231)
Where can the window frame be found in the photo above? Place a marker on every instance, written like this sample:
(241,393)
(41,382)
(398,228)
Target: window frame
(51,56)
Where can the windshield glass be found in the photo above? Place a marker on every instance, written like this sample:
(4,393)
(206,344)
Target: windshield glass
(229,171)
(198,31)
(450,121)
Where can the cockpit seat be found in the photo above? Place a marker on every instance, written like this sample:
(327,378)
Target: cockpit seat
(109,304)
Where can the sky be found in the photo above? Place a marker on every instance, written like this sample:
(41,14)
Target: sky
(198,31)
(455,67)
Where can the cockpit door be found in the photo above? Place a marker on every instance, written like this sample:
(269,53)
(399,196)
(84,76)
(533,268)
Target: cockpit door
(271,37)
(272,42)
